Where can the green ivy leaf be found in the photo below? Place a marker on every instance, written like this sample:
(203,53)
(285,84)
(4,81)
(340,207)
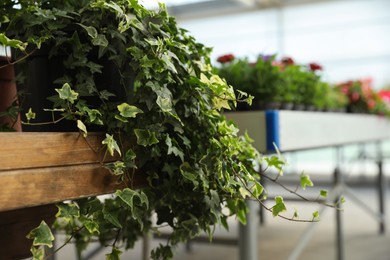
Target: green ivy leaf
(82,127)
(257,189)
(164,103)
(127,196)
(4,40)
(114,255)
(92,32)
(100,40)
(305,181)
(168,64)
(111,144)
(66,93)
(112,216)
(67,211)
(127,110)
(173,149)
(118,167)
(324,193)
(279,207)
(316,215)
(145,137)
(94,116)
(188,173)
(129,159)
(241,211)
(105,95)
(275,161)
(296,215)
(42,235)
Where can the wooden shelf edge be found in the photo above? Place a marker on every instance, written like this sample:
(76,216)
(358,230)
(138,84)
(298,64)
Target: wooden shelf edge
(41,186)
(43,168)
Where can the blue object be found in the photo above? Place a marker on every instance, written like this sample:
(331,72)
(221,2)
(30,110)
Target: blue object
(272,129)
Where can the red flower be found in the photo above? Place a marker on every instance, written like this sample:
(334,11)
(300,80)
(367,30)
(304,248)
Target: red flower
(315,66)
(355,96)
(385,95)
(288,61)
(226,58)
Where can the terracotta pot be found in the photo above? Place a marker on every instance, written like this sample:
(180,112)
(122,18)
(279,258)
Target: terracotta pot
(7,92)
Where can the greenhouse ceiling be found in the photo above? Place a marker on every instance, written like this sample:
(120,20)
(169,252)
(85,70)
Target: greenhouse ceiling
(192,9)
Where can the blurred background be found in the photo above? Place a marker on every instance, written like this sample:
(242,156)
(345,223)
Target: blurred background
(350,38)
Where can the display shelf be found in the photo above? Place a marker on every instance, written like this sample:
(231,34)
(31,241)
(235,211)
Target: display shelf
(43,168)
(304,130)
(299,130)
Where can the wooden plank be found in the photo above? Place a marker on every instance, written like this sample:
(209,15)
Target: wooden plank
(32,187)
(31,150)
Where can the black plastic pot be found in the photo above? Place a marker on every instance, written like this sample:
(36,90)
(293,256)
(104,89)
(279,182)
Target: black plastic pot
(40,71)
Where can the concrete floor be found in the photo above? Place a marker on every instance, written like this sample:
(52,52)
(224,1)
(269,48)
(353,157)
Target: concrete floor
(278,238)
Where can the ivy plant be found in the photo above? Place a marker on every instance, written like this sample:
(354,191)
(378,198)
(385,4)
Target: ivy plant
(164,120)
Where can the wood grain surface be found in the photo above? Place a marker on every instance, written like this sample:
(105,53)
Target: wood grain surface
(43,168)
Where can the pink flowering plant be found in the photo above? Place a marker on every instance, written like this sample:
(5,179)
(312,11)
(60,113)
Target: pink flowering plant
(362,98)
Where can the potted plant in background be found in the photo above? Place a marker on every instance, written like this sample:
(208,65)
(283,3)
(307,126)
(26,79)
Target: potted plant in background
(362,98)
(334,100)
(160,110)
(236,72)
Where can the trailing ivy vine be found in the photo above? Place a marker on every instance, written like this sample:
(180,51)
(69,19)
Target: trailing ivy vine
(164,122)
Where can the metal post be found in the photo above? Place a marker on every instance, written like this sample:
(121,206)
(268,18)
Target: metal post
(248,240)
(338,181)
(261,209)
(146,246)
(381,182)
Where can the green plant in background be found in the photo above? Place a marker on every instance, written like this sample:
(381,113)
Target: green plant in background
(266,81)
(261,78)
(334,99)
(305,81)
(160,112)
(273,81)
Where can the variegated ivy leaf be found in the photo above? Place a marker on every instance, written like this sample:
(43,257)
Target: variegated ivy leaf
(111,144)
(82,127)
(30,114)
(91,225)
(68,211)
(128,111)
(145,137)
(38,253)
(66,93)
(42,235)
